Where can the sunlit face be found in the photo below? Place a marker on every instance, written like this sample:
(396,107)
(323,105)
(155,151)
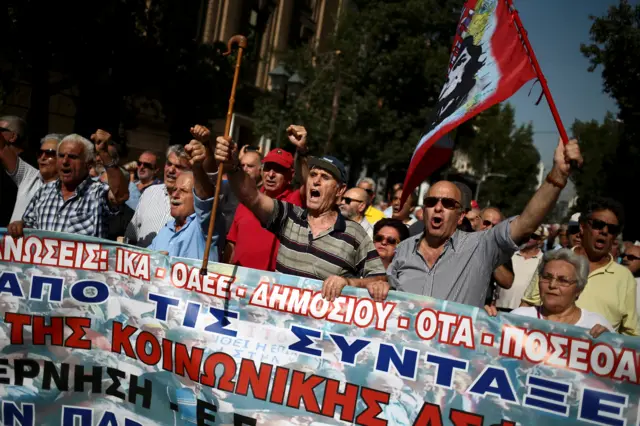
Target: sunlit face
(147,166)
(47,163)
(173,168)
(182,198)
(250,163)
(439,221)
(385,242)
(353,203)
(72,167)
(490,218)
(323,191)
(275,178)
(631,259)
(368,188)
(598,242)
(558,285)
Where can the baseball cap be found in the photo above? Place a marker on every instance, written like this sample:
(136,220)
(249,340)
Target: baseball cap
(279,156)
(541,231)
(575,220)
(330,164)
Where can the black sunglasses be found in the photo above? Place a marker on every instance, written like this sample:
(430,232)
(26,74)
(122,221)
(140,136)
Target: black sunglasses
(630,257)
(390,240)
(369,191)
(599,225)
(488,223)
(145,165)
(4,129)
(48,153)
(447,203)
(573,229)
(350,200)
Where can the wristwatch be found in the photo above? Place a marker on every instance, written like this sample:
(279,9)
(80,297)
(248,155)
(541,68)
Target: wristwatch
(112,164)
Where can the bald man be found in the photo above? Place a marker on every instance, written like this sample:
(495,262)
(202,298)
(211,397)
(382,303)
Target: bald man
(453,265)
(353,206)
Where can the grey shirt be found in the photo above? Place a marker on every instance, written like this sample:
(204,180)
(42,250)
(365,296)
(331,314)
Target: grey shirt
(461,272)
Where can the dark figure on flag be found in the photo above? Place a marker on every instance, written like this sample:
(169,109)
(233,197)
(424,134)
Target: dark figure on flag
(460,81)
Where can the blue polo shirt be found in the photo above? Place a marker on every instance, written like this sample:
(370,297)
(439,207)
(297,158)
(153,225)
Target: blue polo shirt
(190,240)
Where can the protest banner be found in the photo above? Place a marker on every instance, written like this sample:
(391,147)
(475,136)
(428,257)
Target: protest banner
(97,333)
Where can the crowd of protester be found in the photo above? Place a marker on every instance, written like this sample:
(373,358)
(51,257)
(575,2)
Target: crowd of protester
(581,272)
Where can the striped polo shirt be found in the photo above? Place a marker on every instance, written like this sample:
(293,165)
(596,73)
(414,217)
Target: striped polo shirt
(344,249)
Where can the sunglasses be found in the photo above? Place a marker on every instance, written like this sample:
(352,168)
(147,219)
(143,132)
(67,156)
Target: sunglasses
(535,237)
(599,225)
(573,230)
(348,200)
(630,257)
(145,165)
(369,191)
(4,129)
(488,223)
(389,240)
(447,203)
(48,153)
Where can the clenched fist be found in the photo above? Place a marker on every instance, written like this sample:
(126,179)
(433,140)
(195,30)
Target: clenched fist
(564,154)
(200,133)
(298,136)
(16,229)
(226,151)
(197,153)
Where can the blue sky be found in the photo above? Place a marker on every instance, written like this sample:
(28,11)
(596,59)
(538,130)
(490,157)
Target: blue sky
(556,28)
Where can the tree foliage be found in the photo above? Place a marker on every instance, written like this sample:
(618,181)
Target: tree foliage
(387,62)
(116,57)
(495,145)
(611,150)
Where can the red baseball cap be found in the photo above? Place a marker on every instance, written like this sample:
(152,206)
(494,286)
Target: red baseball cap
(279,156)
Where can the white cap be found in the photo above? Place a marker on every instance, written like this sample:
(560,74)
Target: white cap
(575,218)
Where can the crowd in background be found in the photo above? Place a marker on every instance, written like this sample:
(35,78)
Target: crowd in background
(443,246)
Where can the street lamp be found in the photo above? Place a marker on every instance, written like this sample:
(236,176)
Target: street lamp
(286,86)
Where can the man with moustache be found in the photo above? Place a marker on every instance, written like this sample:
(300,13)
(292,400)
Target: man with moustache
(449,264)
(248,243)
(27,178)
(74,202)
(611,290)
(315,242)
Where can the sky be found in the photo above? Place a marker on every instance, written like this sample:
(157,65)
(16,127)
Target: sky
(556,29)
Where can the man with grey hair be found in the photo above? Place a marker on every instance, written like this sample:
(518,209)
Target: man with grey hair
(74,202)
(154,210)
(371,213)
(14,131)
(27,178)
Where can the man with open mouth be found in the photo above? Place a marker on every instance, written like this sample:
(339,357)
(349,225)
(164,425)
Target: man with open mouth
(316,241)
(449,264)
(611,289)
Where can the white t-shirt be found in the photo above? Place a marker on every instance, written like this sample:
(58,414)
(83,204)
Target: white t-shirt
(587,319)
(29,181)
(523,271)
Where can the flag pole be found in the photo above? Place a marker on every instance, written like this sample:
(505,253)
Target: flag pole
(536,66)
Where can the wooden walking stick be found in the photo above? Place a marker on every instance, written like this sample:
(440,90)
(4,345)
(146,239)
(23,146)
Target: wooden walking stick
(241,41)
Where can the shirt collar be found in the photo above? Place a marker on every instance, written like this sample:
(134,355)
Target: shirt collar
(606,268)
(340,225)
(451,242)
(172,223)
(80,189)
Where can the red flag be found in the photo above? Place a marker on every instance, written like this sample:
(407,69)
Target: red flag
(488,64)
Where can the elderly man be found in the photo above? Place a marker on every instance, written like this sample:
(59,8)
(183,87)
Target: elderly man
(316,242)
(153,211)
(191,202)
(251,162)
(12,129)
(452,265)
(27,178)
(611,288)
(147,168)
(372,214)
(248,243)
(353,206)
(631,259)
(74,202)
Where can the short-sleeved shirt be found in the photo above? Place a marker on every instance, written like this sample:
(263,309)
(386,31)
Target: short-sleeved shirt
(135,193)
(345,249)
(86,212)
(151,215)
(523,270)
(29,181)
(461,272)
(587,319)
(255,247)
(610,292)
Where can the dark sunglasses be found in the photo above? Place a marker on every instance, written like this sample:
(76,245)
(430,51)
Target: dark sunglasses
(447,203)
(48,153)
(573,230)
(4,129)
(350,200)
(630,257)
(599,225)
(389,240)
(488,223)
(369,191)
(145,165)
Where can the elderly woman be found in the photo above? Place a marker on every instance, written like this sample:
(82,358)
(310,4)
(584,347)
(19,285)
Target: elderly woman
(387,234)
(562,277)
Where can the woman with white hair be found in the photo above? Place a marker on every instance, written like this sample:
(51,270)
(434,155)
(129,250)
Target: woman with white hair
(562,277)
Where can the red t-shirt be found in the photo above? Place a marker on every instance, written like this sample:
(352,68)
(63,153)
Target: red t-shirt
(255,247)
